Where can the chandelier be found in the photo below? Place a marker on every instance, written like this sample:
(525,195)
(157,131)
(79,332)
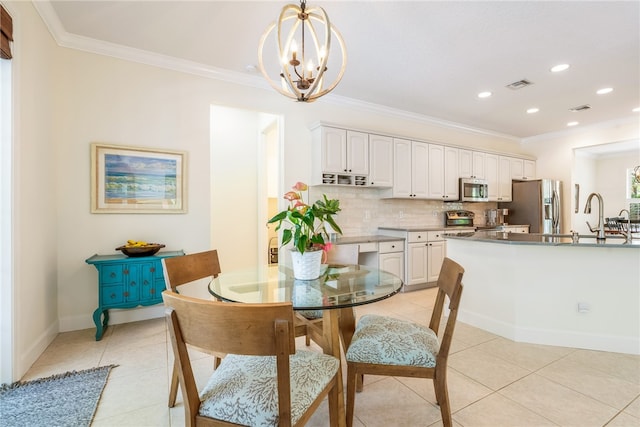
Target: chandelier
(303,39)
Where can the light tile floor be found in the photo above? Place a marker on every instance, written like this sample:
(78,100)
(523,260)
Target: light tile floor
(492,381)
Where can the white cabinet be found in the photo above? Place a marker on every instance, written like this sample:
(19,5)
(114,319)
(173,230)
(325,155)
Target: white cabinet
(410,169)
(380,161)
(443,173)
(504,179)
(340,156)
(522,169)
(471,164)
(357,154)
(391,257)
(498,176)
(515,228)
(423,256)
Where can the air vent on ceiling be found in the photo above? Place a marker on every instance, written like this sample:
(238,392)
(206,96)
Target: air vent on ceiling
(580,108)
(519,84)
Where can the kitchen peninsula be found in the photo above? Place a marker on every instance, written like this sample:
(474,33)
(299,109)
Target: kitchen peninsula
(551,290)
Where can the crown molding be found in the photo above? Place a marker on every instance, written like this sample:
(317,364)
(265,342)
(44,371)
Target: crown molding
(578,130)
(86,44)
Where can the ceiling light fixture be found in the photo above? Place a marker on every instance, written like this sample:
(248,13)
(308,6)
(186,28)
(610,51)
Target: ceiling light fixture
(604,91)
(572,123)
(484,94)
(299,78)
(532,110)
(559,67)
(636,110)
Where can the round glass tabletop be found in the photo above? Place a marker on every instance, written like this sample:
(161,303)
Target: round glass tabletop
(338,286)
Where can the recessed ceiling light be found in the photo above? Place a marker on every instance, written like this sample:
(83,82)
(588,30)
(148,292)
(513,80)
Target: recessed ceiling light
(484,94)
(572,123)
(636,110)
(559,67)
(604,90)
(532,110)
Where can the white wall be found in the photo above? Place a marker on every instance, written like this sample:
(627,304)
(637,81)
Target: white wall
(71,98)
(36,196)
(555,158)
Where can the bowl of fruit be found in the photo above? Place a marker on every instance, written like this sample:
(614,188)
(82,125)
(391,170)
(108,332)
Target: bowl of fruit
(138,248)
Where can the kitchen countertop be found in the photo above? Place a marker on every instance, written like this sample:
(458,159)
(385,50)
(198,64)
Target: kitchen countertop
(428,228)
(544,239)
(373,238)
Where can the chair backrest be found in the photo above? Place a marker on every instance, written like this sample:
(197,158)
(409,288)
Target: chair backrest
(189,268)
(232,328)
(449,285)
(343,254)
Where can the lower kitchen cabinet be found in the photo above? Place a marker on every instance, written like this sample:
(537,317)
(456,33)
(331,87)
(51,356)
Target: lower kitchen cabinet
(424,254)
(125,282)
(391,257)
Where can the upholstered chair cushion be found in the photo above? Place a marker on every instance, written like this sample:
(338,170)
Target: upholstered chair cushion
(243,389)
(388,341)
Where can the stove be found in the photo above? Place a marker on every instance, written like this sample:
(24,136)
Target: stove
(459,218)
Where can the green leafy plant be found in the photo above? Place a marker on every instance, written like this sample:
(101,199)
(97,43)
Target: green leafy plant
(306,224)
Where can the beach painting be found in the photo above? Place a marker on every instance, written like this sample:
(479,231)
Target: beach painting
(137,180)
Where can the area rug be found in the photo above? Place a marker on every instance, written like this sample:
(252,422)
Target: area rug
(68,399)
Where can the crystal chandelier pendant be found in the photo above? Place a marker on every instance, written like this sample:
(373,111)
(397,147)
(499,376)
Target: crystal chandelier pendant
(302,39)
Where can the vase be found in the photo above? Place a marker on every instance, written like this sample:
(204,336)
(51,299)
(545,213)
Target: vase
(306,266)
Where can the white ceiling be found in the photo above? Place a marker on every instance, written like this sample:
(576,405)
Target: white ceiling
(425,58)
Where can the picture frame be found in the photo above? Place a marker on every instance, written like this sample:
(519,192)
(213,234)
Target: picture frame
(137,180)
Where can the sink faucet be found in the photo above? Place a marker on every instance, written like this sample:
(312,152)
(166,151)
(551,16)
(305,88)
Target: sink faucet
(587,209)
(627,234)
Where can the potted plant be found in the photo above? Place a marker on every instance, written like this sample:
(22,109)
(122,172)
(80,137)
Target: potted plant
(306,226)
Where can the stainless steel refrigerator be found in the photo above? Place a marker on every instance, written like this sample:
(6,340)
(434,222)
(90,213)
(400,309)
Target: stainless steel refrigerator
(537,203)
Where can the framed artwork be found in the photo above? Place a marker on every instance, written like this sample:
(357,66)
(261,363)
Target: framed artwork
(137,180)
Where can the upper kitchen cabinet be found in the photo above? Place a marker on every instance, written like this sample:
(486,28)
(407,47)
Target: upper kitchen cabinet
(471,164)
(380,161)
(522,169)
(498,176)
(443,173)
(343,156)
(410,169)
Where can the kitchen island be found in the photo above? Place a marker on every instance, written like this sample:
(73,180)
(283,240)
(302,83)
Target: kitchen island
(546,289)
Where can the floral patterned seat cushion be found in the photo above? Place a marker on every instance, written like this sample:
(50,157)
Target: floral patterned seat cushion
(388,341)
(243,389)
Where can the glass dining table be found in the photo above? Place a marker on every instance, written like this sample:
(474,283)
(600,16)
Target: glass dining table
(333,296)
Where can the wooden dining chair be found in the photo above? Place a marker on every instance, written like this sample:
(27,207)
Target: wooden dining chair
(386,346)
(263,380)
(346,254)
(180,271)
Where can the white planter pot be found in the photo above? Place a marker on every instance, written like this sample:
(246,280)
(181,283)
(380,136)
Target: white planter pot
(306,266)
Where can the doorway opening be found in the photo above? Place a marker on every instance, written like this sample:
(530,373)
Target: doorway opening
(245,177)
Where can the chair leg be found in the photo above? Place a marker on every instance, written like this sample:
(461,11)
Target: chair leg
(352,379)
(442,397)
(307,340)
(173,389)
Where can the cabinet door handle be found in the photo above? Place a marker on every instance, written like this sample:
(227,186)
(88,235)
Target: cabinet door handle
(125,271)
(133,283)
(146,282)
(112,296)
(112,275)
(152,269)
(126,294)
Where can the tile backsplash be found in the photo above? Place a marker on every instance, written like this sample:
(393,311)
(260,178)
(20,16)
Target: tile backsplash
(363,211)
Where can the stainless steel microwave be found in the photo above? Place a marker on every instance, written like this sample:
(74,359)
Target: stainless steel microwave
(474,190)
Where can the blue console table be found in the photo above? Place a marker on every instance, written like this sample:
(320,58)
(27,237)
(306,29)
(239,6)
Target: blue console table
(127,282)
